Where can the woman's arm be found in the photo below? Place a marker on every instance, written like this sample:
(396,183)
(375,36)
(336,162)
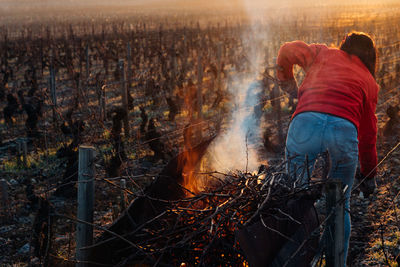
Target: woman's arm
(296,52)
(367,136)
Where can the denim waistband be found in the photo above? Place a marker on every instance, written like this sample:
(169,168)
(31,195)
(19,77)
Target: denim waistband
(326,116)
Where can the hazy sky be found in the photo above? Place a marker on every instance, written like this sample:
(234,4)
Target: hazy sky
(4,3)
(8,8)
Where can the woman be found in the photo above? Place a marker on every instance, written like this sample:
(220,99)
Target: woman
(335,110)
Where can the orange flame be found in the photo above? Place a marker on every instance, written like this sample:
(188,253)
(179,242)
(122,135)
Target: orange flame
(191,157)
(191,162)
(190,181)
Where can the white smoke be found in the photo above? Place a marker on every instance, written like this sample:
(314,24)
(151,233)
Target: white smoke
(236,149)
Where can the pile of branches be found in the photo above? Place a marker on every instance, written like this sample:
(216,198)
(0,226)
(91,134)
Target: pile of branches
(200,230)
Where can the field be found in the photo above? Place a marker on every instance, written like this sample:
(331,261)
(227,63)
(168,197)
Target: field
(142,87)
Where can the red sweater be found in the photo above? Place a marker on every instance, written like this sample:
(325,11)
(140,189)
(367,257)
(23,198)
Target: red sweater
(338,84)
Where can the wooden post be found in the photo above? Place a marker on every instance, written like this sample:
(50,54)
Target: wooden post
(199,87)
(87,63)
(276,103)
(174,72)
(124,94)
(83,95)
(53,85)
(334,237)
(199,132)
(99,94)
(52,82)
(25,153)
(185,51)
(104,102)
(84,232)
(19,152)
(129,67)
(219,67)
(123,195)
(4,198)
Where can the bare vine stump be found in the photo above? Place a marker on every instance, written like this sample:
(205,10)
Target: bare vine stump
(124,94)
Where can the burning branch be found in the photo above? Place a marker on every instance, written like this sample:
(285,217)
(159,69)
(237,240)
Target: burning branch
(206,229)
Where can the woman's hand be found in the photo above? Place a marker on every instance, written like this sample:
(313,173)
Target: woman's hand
(367,184)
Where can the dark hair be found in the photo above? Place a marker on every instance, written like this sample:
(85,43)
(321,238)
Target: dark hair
(361,45)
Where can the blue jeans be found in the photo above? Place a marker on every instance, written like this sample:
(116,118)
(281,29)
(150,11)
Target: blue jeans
(312,133)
